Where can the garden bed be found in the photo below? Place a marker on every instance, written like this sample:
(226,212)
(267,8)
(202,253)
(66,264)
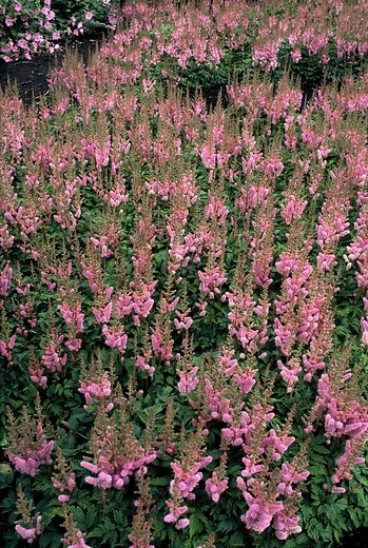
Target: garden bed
(184,285)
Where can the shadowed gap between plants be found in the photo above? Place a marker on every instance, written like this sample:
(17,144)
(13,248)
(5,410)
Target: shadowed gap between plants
(30,77)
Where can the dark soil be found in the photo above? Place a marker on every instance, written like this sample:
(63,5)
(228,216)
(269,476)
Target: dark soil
(30,77)
(356,539)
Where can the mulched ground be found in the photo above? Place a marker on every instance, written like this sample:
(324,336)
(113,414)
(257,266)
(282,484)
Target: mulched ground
(357,539)
(30,77)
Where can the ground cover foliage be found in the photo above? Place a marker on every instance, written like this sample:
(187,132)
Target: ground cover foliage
(183,290)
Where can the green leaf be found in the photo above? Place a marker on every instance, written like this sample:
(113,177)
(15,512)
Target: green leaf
(317,471)
(321,449)
(301,540)
(161,482)
(49,540)
(236,540)
(78,515)
(195,525)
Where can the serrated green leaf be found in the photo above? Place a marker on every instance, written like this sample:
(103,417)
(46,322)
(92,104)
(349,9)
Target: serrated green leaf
(321,449)
(161,482)
(195,525)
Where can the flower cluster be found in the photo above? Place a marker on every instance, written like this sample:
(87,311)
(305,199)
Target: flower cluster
(32,27)
(117,454)
(32,527)
(176,279)
(29,448)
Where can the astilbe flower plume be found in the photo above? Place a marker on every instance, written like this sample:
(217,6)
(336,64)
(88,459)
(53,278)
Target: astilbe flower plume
(64,479)
(117,454)
(187,476)
(74,537)
(29,527)
(95,384)
(188,379)
(7,341)
(345,414)
(141,526)
(29,448)
(218,483)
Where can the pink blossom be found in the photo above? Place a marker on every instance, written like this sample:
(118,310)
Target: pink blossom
(32,455)
(211,281)
(95,389)
(286,525)
(142,363)
(245,381)
(81,543)
(115,338)
(30,534)
(5,279)
(63,498)
(182,523)
(215,487)
(175,513)
(188,381)
(257,518)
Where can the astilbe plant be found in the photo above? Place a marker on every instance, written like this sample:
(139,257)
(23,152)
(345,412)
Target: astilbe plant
(187,476)
(345,416)
(28,445)
(117,455)
(32,524)
(175,282)
(74,537)
(141,526)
